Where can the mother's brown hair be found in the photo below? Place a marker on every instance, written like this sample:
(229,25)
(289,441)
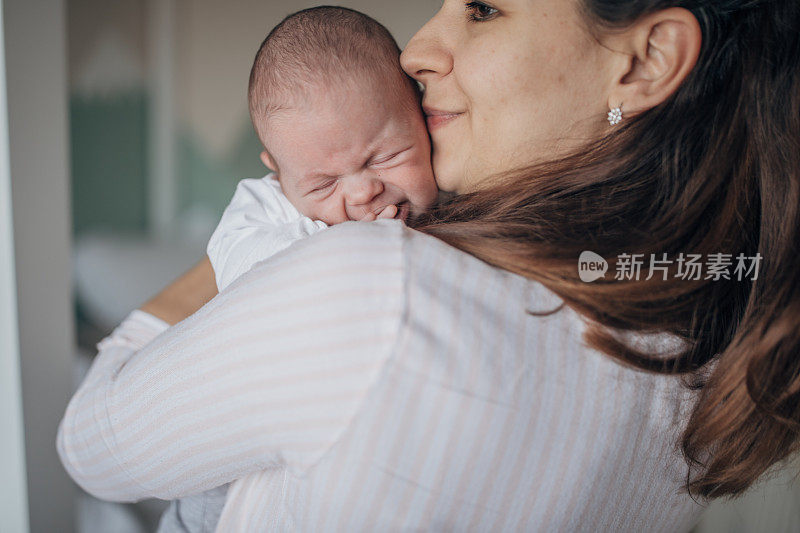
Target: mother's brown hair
(715,169)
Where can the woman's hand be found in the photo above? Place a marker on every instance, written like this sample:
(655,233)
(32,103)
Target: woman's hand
(181,298)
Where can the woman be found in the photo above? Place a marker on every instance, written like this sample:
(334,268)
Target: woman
(462,375)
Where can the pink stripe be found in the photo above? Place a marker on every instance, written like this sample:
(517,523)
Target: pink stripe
(251,363)
(401,428)
(518,325)
(415,413)
(550,421)
(625,453)
(137,452)
(267,376)
(570,451)
(456,434)
(577,497)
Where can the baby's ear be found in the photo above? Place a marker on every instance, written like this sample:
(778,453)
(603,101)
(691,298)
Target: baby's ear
(268,161)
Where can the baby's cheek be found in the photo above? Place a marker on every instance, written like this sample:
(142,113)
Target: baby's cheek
(426,180)
(332,211)
(312,209)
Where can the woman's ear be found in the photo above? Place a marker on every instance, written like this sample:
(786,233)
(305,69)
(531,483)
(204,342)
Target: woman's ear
(659,52)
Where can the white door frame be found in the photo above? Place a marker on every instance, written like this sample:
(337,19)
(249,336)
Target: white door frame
(162,194)
(37,145)
(13,488)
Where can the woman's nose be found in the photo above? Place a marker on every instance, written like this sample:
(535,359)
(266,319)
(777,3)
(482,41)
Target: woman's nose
(425,56)
(360,190)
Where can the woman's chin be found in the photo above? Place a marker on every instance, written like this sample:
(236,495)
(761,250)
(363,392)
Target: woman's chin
(449,179)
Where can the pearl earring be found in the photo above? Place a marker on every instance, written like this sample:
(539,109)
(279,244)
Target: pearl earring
(615,116)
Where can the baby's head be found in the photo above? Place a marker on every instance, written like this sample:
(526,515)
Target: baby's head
(340,121)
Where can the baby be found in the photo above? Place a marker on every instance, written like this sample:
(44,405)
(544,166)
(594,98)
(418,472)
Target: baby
(343,135)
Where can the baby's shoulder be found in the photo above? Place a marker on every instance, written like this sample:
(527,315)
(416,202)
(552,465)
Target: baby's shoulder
(263,200)
(266,187)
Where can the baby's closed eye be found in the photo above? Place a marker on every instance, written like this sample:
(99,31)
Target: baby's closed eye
(387,158)
(326,185)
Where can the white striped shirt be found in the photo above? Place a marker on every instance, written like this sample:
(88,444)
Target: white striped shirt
(373,378)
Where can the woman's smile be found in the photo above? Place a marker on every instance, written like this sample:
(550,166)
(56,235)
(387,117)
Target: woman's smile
(436,118)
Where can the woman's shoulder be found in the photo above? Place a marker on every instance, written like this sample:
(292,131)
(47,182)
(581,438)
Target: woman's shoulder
(429,264)
(363,243)
(358,247)
(460,307)
(423,256)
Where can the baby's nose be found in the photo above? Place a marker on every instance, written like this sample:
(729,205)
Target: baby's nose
(361,190)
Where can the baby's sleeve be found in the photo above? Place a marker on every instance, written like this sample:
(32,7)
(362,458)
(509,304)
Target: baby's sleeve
(258,223)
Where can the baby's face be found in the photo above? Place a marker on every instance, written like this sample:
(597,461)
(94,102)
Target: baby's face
(353,154)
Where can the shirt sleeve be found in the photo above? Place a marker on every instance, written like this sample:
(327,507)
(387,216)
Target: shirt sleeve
(259,222)
(135,331)
(269,373)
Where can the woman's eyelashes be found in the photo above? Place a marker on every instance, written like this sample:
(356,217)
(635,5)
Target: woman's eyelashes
(480,12)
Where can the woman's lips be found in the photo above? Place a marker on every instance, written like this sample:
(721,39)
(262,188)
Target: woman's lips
(436,118)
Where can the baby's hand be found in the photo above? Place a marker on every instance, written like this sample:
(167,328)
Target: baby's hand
(390,211)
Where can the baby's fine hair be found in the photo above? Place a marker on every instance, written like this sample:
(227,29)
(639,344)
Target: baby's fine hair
(321,47)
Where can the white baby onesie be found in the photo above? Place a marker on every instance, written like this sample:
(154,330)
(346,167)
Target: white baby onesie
(258,223)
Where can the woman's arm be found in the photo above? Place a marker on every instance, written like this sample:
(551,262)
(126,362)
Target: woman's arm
(184,296)
(270,372)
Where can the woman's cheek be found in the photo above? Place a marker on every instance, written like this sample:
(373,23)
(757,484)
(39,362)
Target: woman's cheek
(449,171)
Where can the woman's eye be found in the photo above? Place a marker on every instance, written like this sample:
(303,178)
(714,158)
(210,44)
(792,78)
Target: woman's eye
(480,12)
